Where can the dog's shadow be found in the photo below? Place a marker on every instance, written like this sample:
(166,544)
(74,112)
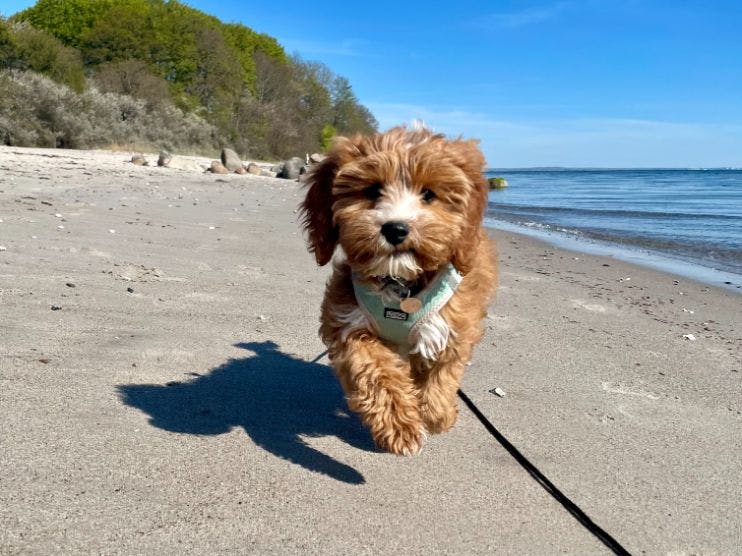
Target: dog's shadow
(278,399)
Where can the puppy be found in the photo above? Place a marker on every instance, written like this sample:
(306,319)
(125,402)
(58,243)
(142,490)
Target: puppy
(412,277)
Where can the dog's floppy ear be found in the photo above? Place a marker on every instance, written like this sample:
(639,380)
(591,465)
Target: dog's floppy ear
(317,211)
(467,156)
(317,206)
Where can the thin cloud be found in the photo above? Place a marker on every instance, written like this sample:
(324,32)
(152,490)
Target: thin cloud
(348,47)
(527,16)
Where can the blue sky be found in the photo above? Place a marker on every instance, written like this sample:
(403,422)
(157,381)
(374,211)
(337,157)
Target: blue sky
(614,83)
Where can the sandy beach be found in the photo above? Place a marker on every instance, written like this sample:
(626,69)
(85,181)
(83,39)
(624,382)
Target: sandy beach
(161,387)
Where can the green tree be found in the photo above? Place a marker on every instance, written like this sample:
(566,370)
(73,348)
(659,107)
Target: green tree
(349,115)
(328,133)
(38,51)
(122,32)
(7,45)
(68,20)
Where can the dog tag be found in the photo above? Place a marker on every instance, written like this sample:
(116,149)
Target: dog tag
(411,305)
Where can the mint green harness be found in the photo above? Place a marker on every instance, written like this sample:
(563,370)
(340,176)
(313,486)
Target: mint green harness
(390,321)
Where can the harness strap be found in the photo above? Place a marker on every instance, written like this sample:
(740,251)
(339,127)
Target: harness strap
(394,324)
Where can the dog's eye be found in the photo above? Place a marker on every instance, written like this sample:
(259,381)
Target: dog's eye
(427,195)
(372,192)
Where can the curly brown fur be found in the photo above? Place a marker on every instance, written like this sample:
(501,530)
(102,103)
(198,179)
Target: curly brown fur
(436,187)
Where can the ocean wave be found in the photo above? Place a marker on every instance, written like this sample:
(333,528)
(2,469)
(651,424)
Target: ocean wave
(622,213)
(724,258)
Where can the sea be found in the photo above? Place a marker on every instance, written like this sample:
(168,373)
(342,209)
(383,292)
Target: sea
(685,221)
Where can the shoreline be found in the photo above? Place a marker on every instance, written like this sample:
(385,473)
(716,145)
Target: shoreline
(630,254)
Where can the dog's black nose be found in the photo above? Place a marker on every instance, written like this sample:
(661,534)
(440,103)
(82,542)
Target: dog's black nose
(395,232)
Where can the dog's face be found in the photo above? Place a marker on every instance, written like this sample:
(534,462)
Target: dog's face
(399,203)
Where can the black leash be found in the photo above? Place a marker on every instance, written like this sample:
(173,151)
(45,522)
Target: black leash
(320,356)
(602,535)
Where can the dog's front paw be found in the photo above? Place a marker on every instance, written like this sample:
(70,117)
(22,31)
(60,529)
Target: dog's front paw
(397,428)
(439,419)
(401,440)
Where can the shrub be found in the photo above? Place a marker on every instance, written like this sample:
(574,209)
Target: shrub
(133,78)
(40,112)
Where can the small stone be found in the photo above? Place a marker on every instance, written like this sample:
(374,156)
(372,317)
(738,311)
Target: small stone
(316,157)
(690,337)
(212,227)
(58,215)
(241,171)
(60,227)
(253,168)
(56,308)
(138,160)
(130,289)
(498,392)
(291,168)
(70,285)
(111,231)
(218,168)
(164,158)
(44,360)
(261,317)
(3,248)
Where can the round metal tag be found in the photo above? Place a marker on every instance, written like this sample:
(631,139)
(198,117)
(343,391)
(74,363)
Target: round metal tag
(411,305)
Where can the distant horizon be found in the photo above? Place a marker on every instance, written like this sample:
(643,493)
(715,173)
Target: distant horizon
(542,83)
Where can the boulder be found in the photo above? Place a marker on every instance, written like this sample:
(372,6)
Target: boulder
(218,168)
(231,160)
(316,157)
(139,160)
(291,168)
(241,170)
(164,158)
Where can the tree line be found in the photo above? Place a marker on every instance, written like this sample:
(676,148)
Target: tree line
(163,61)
